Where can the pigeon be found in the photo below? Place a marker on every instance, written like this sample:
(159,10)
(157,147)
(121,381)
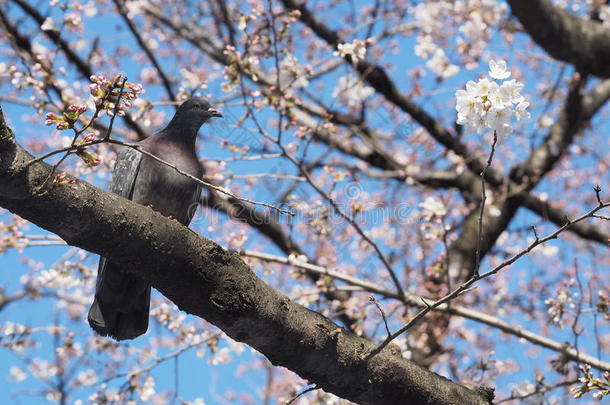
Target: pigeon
(121,305)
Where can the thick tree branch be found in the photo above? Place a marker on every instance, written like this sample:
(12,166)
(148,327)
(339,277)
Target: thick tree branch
(566,37)
(268,226)
(205,280)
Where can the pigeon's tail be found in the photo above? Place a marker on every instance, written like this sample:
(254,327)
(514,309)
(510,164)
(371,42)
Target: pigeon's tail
(121,305)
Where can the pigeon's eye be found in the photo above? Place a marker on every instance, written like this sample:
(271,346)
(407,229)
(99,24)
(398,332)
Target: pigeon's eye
(196,106)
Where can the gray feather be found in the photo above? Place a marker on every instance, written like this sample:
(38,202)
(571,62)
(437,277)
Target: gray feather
(125,172)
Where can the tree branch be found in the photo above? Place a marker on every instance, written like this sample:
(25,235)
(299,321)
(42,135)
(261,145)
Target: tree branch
(566,37)
(209,282)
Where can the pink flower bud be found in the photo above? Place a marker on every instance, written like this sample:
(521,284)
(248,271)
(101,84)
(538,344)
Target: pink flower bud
(77,108)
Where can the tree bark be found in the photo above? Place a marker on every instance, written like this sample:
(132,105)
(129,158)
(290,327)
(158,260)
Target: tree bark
(566,37)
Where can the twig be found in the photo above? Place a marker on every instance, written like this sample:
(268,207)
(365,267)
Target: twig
(483,199)
(116,109)
(579,310)
(538,390)
(263,175)
(350,220)
(315,387)
(278,88)
(254,157)
(385,322)
(205,183)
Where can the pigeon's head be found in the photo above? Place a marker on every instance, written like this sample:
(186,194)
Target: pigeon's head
(193,113)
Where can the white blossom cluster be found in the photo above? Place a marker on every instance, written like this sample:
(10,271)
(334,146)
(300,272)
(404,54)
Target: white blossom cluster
(356,49)
(147,390)
(485,104)
(433,208)
(292,74)
(351,90)
(16,374)
(57,279)
(529,391)
(563,302)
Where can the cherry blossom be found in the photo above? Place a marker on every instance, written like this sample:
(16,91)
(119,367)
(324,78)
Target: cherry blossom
(440,65)
(351,90)
(486,105)
(356,50)
(434,207)
(147,390)
(48,24)
(497,70)
(17,374)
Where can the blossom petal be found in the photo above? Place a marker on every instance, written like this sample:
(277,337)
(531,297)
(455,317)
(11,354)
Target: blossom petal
(497,70)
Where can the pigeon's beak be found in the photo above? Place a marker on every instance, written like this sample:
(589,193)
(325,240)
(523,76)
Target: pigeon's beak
(214,113)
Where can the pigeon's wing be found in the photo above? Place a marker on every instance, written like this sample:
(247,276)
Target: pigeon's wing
(125,172)
(192,207)
(120,307)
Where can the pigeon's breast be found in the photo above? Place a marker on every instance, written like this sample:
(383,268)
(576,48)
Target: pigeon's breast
(167,190)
